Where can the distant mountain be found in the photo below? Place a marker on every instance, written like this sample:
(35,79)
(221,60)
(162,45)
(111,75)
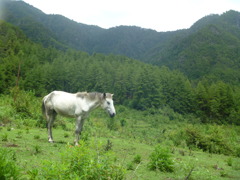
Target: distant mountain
(210,48)
(60,32)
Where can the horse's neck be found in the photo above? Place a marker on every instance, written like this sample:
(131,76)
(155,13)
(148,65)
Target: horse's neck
(93,104)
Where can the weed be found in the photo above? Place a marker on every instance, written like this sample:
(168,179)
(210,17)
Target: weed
(229,162)
(160,159)
(33,173)
(27,130)
(8,167)
(19,134)
(223,174)
(5,137)
(182,152)
(137,159)
(66,135)
(130,166)
(36,137)
(108,146)
(36,149)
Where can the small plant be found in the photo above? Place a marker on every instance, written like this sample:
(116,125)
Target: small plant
(108,146)
(229,161)
(137,159)
(182,152)
(8,167)
(27,130)
(32,173)
(123,122)
(19,134)
(36,137)
(130,166)
(37,149)
(5,137)
(223,174)
(66,135)
(160,159)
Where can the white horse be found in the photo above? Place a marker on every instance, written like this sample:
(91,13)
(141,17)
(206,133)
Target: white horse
(77,105)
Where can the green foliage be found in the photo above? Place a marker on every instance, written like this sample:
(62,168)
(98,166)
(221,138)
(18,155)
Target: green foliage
(4,137)
(8,167)
(137,159)
(82,162)
(37,149)
(213,140)
(144,87)
(161,159)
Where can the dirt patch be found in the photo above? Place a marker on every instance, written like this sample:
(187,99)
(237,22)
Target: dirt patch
(11,145)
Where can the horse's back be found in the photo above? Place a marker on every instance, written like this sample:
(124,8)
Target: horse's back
(62,102)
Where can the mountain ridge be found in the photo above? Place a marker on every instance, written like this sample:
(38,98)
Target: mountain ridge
(208,47)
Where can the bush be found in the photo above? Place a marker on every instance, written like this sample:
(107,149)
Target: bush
(82,162)
(160,159)
(212,141)
(26,104)
(8,167)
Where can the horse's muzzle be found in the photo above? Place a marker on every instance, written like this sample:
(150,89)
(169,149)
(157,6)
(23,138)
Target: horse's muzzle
(112,115)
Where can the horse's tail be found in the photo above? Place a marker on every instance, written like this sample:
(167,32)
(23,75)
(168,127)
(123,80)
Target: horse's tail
(43,107)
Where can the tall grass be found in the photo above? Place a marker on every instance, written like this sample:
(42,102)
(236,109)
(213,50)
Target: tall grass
(8,167)
(87,161)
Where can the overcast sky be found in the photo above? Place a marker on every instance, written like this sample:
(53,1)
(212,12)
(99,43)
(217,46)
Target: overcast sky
(160,15)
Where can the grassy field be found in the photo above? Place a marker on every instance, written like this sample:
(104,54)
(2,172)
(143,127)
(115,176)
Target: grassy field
(197,151)
(32,148)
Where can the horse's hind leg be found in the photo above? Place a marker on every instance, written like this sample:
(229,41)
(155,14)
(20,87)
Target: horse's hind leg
(51,115)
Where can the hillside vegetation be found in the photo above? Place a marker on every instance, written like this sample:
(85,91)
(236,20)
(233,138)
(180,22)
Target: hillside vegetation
(135,84)
(209,49)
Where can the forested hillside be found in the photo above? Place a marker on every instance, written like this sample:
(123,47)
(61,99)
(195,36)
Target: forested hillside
(209,49)
(135,84)
(56,30)
(197,69)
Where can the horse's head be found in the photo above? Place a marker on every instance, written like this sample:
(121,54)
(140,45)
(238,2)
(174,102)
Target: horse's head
(108,105)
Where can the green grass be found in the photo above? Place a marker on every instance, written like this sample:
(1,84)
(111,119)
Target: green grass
(199,151)
(31,151)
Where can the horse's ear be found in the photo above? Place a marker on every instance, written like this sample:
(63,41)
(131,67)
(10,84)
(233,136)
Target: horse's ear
(104,95)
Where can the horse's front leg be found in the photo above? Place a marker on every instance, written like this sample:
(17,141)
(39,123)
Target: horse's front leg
(79,125)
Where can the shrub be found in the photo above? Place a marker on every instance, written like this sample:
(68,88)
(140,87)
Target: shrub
(8,167)
(82,162)
(160,159)
(26,105)
(212,141)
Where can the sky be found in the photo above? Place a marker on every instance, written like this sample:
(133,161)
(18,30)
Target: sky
(159,15)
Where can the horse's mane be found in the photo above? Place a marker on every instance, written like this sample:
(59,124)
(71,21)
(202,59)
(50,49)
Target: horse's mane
(92,95)
(81,94)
